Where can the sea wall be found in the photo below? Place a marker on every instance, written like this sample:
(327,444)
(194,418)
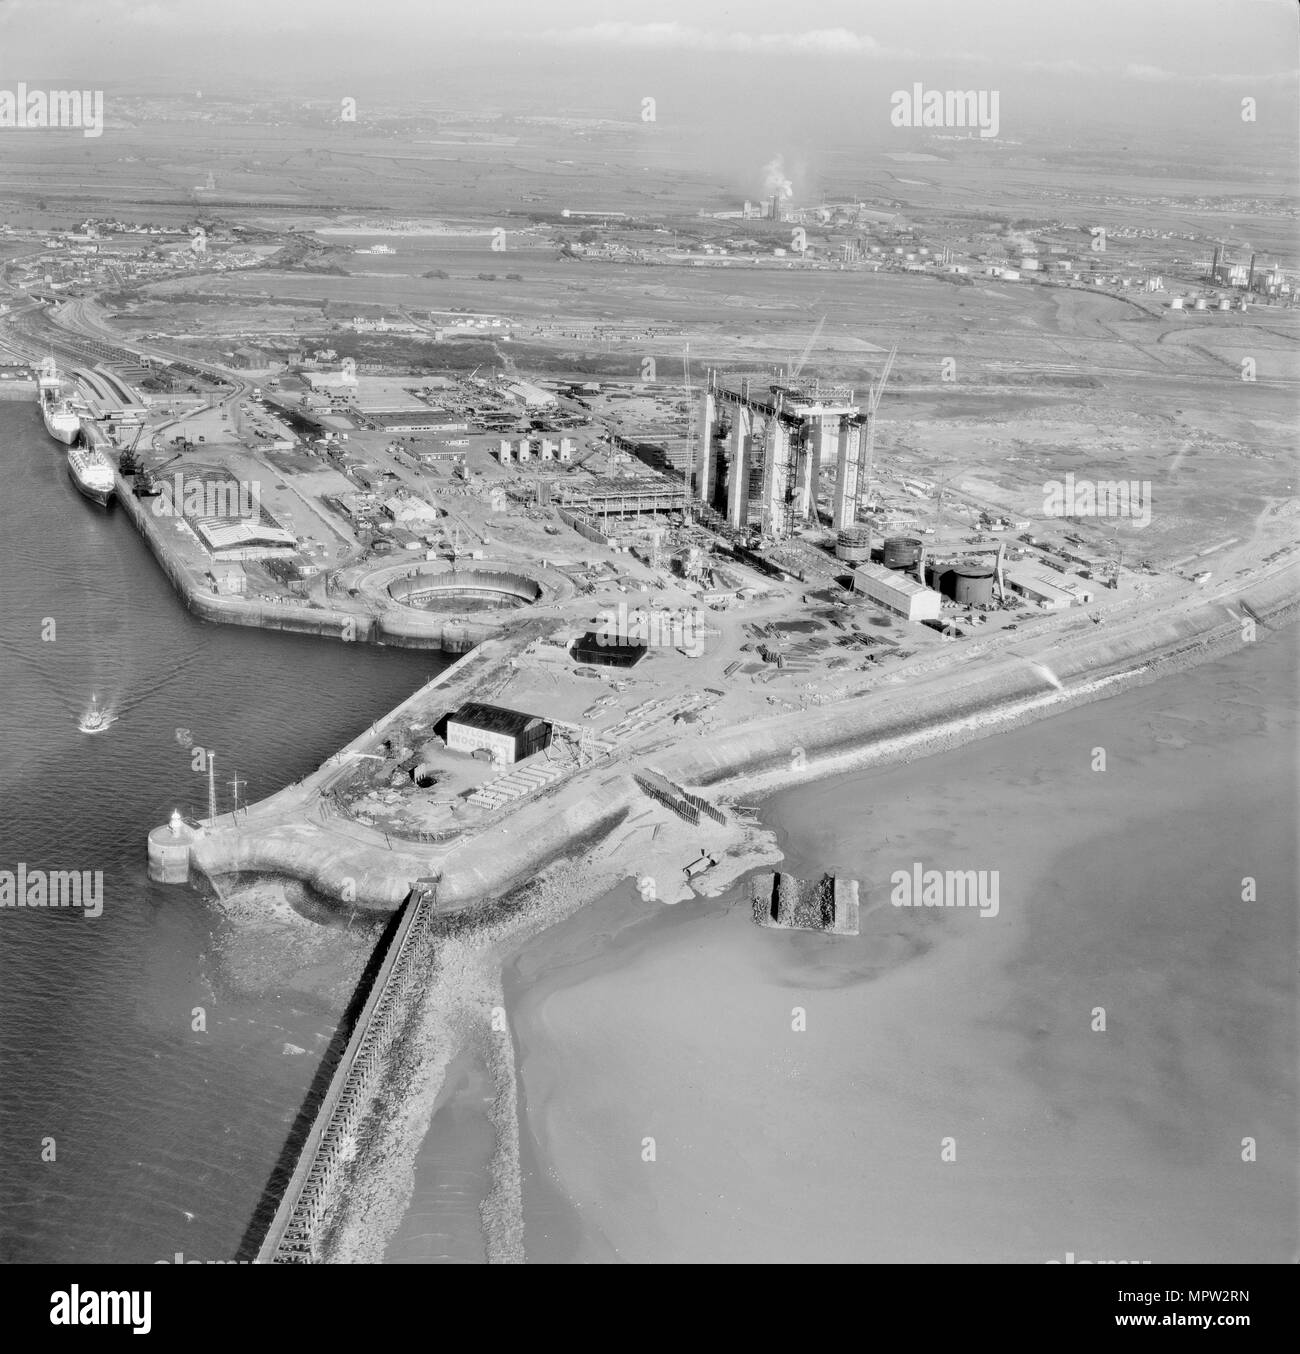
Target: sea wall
(411,630)
(798,747)
(895,722)
(361,867)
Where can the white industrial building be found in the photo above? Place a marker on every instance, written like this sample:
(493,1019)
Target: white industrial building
(1050,594)
(897,592)
(530,395)
(508,735)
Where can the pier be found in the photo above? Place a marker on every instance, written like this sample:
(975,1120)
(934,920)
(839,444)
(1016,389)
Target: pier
(294,1234)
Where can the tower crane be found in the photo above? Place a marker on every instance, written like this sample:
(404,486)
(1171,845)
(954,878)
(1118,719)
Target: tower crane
(873,403)
(808,347)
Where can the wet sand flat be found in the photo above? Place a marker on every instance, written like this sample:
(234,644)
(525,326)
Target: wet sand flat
(442,1224)
(1120,891)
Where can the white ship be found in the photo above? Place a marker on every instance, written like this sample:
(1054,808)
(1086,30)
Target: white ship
(62,421)
(91,473)
(62,416)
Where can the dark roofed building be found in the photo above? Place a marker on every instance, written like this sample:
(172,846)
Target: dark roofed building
(509,735)
(595,647)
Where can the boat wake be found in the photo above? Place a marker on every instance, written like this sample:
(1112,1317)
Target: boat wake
(96,718)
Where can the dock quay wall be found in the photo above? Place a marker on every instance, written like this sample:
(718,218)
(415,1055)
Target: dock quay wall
(293,1236)
(408,631)
(342,861)
(328,859)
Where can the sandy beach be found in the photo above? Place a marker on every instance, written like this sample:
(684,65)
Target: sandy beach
(1120,892)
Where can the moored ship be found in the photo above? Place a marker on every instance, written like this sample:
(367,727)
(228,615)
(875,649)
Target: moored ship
(62,421)
(91,473)
(62,416)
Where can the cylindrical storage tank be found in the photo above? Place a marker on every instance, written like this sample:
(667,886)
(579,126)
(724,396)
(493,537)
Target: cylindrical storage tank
(902,552)
(1225,304)
(853,545)
(939,577)
(1200,303)
(972,583)
(1176,303)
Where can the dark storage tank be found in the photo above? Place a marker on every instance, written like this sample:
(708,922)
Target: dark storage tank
(941,578)
(902,552)
(973,583)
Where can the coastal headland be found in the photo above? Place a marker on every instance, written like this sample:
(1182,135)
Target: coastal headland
(320,832)
(592,830)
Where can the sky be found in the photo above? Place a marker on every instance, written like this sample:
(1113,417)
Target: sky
(1152,39)
(818,68)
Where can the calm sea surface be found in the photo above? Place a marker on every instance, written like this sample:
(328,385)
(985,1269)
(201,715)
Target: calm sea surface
(163,1138)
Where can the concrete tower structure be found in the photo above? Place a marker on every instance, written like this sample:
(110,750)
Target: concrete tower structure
(761,450)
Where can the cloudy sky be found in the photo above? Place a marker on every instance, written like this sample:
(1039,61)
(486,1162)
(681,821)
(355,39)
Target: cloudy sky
(1172,64)
(1180,38)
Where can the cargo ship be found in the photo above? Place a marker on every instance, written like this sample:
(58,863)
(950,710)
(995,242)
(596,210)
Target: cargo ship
(62,421)
(62,416)
(91,473)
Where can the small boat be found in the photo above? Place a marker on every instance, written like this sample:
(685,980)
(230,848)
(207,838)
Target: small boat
(96,718)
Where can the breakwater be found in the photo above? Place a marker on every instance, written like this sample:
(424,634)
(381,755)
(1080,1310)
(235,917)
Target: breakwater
(296,1230)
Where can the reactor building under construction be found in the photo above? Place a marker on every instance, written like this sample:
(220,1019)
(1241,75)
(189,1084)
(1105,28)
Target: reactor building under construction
(761,451)
(762,448)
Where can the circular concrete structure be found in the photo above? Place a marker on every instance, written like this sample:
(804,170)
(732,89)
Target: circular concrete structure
(853,544)
(462,590)
(901,552)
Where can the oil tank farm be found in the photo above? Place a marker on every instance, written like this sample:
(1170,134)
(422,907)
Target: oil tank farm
(897,592)
(901,552)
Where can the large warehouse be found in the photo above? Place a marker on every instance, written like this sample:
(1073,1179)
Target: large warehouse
(1052,594)
(508,735)
(897,592)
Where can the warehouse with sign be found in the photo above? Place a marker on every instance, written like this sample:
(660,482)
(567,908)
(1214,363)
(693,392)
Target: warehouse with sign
(509,735)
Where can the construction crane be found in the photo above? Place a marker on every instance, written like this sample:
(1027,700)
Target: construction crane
(690,432)
(808,347)
(873,403)
(938,509)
